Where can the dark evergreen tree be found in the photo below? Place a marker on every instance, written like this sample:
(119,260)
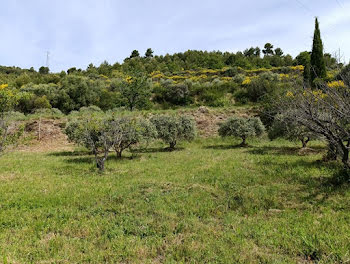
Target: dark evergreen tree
(149,53)
(44,70)
(134,54)
(279,52)
(257,52)
(304,59)
(317,63)
(268,49)
(307,72)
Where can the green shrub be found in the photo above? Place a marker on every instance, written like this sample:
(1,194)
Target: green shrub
(172,129)
(241,96)
(174,93)
(260,87)
(41,103)
(16,116)
(47,113)
(8,99)
(130,131)
(100,132)
(243,128)
(284,128)
(94,133)
(136,92)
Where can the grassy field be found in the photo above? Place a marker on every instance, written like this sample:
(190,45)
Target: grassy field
(208,202)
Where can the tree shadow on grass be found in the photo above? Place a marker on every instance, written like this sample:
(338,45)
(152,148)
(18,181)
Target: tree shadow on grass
(156,150)
(271,150)
(315,190)
(226,147)
(69,153)
(320,189)
(91,159)
(79,160)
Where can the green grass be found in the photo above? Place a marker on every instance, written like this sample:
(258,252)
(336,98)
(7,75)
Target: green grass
(209,202)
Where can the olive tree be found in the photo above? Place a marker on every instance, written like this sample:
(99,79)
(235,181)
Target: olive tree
(290,130)
(131,131)
(93,132)
(100,133)
(172,129)
(325,111)
(242,128)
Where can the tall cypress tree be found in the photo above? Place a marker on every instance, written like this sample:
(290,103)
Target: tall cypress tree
(317,65)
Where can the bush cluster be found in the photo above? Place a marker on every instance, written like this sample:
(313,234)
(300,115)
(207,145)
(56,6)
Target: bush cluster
(100,132)
(241,127)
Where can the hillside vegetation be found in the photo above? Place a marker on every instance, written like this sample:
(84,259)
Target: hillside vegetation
(192,78)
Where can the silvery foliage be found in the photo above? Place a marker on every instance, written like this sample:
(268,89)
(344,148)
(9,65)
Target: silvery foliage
(241,127)
(172,129)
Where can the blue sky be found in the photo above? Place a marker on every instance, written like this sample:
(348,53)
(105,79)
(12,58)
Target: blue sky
(78,32)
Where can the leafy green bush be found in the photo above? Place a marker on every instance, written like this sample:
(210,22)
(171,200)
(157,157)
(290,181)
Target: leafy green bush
(259,87)
(241,96)
(47,113)
(100,132)
(173,93)
(172,129)
(41,103)
(136,92)
(94,133)
(130,131)
(8,99)
(284,128)
(16,116)
(242,128)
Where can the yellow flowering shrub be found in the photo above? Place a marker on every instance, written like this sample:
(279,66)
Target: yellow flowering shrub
(128,79)
(336,84)
(297,68)
(209,71)
(3,86)
(289,94)
(177,77)
(284,76)
(8,98)
(226,79)
(247,81)
(317,94)
(157,75)
(103,76)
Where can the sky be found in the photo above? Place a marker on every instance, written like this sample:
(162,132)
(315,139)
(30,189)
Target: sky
(79,32)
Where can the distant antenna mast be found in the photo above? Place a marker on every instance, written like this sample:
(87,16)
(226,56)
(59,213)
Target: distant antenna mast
(339,56)
(48,59)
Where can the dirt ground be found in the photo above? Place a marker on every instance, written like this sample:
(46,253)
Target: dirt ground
(45,136)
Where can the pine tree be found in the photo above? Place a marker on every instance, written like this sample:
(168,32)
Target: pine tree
(134,54)
(149,53)
(317,65)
